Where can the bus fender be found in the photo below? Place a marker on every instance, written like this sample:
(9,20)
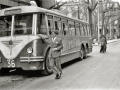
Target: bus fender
(46,50)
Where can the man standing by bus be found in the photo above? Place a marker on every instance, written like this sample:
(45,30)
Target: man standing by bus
(54,55)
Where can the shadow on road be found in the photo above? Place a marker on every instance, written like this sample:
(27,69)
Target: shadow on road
(67,64)
(20,72)
(30,73)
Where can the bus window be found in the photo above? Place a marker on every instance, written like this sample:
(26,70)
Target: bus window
(5,26)
(65,27)
(50,23)
(58,25)
(88,29)
(85,29)
(77,29)
(41,26)
(60,28)
(82,30)
(23,24)
(72,28)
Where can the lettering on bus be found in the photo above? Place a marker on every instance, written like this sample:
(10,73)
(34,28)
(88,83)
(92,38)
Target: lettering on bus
(71,44)
(14,11)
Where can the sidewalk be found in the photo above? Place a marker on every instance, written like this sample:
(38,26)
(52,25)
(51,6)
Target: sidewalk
(108,41)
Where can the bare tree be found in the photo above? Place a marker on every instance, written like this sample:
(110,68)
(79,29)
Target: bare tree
(105,19)
(91,6)
(57,5)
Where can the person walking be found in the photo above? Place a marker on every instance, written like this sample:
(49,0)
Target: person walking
(103,43)
(54,55)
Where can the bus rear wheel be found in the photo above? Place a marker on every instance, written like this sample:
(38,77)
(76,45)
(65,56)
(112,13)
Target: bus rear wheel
(47,70)
(85,53)
(81,54)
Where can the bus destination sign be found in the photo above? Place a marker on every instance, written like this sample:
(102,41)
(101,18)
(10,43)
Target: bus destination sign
(14,11)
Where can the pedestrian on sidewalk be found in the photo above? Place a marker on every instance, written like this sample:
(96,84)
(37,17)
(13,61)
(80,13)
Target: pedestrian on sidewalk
(54,55)
(103,44)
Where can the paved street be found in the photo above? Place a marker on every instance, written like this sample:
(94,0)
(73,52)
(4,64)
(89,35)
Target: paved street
(98,71)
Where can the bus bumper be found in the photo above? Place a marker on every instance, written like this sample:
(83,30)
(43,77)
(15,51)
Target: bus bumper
(25,63)
(31,59)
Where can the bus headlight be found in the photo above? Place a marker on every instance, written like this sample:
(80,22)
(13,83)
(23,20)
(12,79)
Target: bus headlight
(30,50)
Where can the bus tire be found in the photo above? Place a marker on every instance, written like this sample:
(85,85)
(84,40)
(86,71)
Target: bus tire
(81,54)
(85,53)
(47,70)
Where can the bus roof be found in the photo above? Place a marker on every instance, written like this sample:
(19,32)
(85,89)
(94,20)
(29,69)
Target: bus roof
(31,9)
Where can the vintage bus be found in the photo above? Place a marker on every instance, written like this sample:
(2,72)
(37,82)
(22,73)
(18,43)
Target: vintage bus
(25,37)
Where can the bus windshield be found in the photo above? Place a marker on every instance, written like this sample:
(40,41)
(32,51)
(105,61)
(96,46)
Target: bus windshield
(5,26)
(23,24)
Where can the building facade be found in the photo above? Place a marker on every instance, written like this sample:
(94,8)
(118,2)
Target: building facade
(11,3)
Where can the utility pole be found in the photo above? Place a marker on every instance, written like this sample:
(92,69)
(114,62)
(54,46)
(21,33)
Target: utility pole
(98,23)
(102,7)
(79,10)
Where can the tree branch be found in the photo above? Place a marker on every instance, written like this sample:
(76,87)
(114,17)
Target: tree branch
(94,6)
(54,5)
(58,6)
(87,2)
(108,9)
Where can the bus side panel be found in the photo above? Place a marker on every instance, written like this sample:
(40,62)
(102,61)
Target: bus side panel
(71,48)
(69,57)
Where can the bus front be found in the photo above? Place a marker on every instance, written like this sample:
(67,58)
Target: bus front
(20,45)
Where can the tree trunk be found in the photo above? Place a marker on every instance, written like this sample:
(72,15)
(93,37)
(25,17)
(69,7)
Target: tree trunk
(112,29)
(90,21)
(105,26)
(103,31)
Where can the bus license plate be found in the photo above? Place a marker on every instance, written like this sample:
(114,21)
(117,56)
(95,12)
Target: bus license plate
(11,63)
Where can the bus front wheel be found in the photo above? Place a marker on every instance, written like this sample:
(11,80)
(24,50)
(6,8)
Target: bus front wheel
(47,70)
